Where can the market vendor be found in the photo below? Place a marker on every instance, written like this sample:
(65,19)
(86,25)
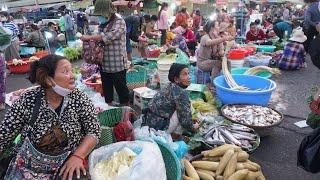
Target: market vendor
(150,31)
(256,35)
(173,98)
(57,122)
(284,26)
(35,38)
(211,49)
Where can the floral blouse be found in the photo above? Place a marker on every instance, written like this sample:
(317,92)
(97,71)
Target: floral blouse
(170,99)
(77,119)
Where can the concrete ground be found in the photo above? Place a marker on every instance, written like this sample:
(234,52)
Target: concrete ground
(277,153)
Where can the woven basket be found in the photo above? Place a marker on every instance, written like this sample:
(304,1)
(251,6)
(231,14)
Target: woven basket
(171,161)
(110,117)
(107,136)
(137,77)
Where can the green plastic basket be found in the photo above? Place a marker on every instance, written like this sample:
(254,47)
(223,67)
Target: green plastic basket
(171,161)
(110,117)
(107,136)
(137,77)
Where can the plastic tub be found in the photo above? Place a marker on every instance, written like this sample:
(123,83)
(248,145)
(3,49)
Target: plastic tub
(259,61)
(265,48)
(237,54)
(164,65)
(20,68)
(236,63)
(256,95)
(240,71)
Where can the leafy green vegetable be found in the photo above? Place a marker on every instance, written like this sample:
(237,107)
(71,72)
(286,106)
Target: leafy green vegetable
(313,120)
(72,53)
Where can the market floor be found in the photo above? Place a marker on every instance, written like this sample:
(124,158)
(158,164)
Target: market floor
(277,152)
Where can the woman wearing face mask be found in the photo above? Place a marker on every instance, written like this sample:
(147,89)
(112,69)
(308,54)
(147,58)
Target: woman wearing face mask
(211,49)
(57,122)
(171,101)
(114,64)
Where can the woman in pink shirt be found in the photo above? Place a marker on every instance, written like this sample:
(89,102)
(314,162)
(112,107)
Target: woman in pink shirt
(163,24)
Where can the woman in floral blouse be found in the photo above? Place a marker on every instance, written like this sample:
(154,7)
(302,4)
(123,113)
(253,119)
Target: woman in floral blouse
(171,99)
(54,119)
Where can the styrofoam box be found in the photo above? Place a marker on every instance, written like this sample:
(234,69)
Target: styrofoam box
(142,96)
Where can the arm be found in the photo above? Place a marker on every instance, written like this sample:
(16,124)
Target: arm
(91,127)
(117,30)
(183,108)
(12,124)
(213,42)
(308,19)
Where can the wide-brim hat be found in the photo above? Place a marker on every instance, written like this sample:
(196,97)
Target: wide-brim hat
(103,8)
(298,36)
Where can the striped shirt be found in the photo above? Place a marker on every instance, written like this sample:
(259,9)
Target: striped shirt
(13,28)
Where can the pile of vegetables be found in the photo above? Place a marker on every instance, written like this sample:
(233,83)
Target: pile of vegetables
(226,162)
(34,58)
(72,53)
(202,108)
(17,62)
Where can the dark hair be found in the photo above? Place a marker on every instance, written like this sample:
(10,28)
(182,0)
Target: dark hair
(50,24)
(34,27)
(44,68)
(310,1)
(175,70)
(164,4)
(257,21)
(146,18)
(154,18)
(198,12)
(173,25)
(208,26)
(183,9)
(253,24)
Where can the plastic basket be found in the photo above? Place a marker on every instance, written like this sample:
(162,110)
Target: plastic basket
(137,77)
(171,161)
(41,54)
(110,117)
(153,53)
(96,86)
(19,69)
(107,136)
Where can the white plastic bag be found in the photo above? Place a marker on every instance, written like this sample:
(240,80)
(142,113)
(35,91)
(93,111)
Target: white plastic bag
(147,165)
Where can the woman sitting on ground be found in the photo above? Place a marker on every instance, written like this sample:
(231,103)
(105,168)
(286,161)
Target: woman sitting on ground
(171,104)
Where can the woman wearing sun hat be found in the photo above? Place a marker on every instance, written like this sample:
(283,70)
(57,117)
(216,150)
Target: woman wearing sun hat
(293,56)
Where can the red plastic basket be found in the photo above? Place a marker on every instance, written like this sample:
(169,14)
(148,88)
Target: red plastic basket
(19,69)
(96,86)
(153,53)
(237,54)
(41,54)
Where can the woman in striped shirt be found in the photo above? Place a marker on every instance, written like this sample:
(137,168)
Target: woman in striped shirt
(12,52)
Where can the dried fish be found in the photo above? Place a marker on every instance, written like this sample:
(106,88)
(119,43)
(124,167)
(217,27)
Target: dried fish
(252,115)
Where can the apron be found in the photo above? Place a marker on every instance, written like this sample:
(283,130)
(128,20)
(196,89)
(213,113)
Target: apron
(43,160)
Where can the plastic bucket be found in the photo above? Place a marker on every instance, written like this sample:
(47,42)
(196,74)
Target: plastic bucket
(236,63)
(240,71)
(266,48)
(164,65)
(260,90)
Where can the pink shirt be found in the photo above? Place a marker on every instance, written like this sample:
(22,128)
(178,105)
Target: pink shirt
(163,20)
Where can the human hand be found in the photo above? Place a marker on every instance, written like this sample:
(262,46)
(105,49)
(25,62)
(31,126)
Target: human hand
(229,38)
(73,164)
(85,38)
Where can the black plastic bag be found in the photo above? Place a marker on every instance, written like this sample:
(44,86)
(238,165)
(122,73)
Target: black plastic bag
(309,154)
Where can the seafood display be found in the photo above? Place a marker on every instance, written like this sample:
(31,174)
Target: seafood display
(252,115)
(231,134)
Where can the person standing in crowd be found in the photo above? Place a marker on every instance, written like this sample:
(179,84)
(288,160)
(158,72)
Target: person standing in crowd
(133,24)
(53,41)
(211,50)
(69,26)
(35,38)
(197,20)
(286,13)
(62,23)
(81,18)
(11,52)
(114,64)
(57,122)
(293,56)
(312,20)
(3,71)
(163,24)
(182,17)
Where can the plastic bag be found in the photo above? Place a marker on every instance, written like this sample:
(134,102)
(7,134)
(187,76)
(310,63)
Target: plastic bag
(148,163)
(123,131)
(182,58)
(308,153)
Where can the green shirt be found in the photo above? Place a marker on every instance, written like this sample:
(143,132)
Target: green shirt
(62,24)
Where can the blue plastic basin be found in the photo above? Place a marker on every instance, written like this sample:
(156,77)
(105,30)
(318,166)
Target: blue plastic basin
(239,71)
(260,90)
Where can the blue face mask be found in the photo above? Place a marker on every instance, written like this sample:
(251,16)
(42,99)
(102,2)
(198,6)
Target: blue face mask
(102,19)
